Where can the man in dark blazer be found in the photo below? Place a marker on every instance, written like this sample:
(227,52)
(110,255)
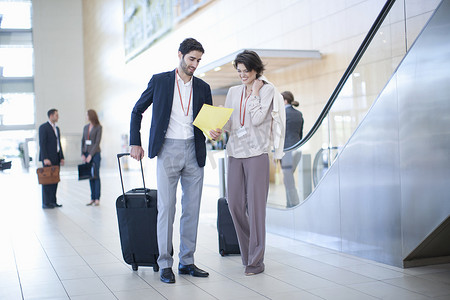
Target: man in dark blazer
(177,97)
(50,154)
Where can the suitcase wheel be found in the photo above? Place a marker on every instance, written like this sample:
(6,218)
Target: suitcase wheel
(222,252)
(156,268)
(135,267)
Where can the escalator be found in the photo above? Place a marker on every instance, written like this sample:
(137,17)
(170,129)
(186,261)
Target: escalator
(380,190)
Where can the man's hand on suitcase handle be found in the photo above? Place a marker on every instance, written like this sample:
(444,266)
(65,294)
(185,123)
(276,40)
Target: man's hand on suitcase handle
(137,152)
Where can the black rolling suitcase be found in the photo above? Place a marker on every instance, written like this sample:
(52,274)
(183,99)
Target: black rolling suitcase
(137,216)
(228,242)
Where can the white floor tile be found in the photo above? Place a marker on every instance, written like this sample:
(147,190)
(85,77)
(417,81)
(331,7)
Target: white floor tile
(78,272)
(67,261)
(85,286)
(44,291)
(386,291)
(127,282)
(8,278)
(74,252)
(422,286)
(228,289)
(106,296)
(105,258)
(373,271)
(117,268)
(10,292)
(337,260)
(38,276)
(303,280)
(303,295)
(267,285)
(176,292)
(143,294)
(443,277)
(342,293)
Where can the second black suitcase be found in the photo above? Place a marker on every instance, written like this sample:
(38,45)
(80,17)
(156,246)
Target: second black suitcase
(228,241)
(137,216)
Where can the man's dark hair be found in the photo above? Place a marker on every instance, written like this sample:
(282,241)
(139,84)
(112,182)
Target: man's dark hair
(189,45)
(51,112)
(251,61)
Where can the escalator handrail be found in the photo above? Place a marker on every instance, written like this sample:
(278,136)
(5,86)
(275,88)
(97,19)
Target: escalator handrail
(361,50)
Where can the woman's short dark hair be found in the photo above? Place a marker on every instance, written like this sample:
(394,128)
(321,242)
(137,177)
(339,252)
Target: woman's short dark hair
(251,61)
(289,97)
(189,45)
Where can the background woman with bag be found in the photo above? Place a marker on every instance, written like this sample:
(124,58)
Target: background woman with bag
(90,152)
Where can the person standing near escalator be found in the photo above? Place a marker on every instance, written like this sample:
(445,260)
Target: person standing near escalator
(294,133)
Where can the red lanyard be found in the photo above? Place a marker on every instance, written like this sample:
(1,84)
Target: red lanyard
(179,93)
(89,131)
(245,107)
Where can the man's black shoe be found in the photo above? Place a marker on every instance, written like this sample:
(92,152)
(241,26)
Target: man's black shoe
(192,270)
(47,206)
(167,275)
(58,205)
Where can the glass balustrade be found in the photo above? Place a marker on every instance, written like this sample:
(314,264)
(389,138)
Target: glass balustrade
(290,187)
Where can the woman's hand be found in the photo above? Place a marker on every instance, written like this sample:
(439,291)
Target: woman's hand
(215,134)
(257,85)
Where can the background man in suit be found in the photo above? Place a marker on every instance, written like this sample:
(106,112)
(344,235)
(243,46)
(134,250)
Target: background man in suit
(294,133)
(177,97)
(50,154)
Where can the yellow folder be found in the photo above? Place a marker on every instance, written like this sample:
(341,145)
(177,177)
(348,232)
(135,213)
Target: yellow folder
(212,117)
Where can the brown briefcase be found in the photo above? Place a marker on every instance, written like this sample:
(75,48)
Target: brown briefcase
(48,175)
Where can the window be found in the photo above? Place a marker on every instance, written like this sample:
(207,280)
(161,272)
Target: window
(16,62)
(17,108)
(15,14)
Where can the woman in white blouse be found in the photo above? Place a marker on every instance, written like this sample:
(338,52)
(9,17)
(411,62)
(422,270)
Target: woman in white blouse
(248,146)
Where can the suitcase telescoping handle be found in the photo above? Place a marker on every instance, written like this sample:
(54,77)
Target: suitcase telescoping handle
(121,178)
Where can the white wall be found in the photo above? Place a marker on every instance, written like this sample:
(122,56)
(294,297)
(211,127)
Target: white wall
(101,80)
(59,75)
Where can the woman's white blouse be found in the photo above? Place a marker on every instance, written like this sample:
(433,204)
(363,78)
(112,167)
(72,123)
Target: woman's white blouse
(257,124)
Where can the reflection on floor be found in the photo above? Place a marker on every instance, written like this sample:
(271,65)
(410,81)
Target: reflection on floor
(73,252)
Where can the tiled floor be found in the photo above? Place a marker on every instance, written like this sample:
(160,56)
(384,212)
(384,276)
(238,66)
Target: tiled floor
(73,252)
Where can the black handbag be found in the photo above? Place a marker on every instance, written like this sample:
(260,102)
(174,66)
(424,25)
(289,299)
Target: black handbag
(86,171)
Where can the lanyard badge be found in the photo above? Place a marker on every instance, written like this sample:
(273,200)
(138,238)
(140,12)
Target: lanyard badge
(186,113)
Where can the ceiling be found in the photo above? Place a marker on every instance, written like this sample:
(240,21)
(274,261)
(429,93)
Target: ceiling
(221,74)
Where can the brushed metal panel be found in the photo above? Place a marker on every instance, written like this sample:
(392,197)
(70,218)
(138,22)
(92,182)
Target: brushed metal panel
(280,221)
(318,221)
(424,105)
(390,186)
(370,184)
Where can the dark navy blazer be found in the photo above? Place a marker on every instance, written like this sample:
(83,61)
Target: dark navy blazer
(294,126)
(159,92)
(48,144)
